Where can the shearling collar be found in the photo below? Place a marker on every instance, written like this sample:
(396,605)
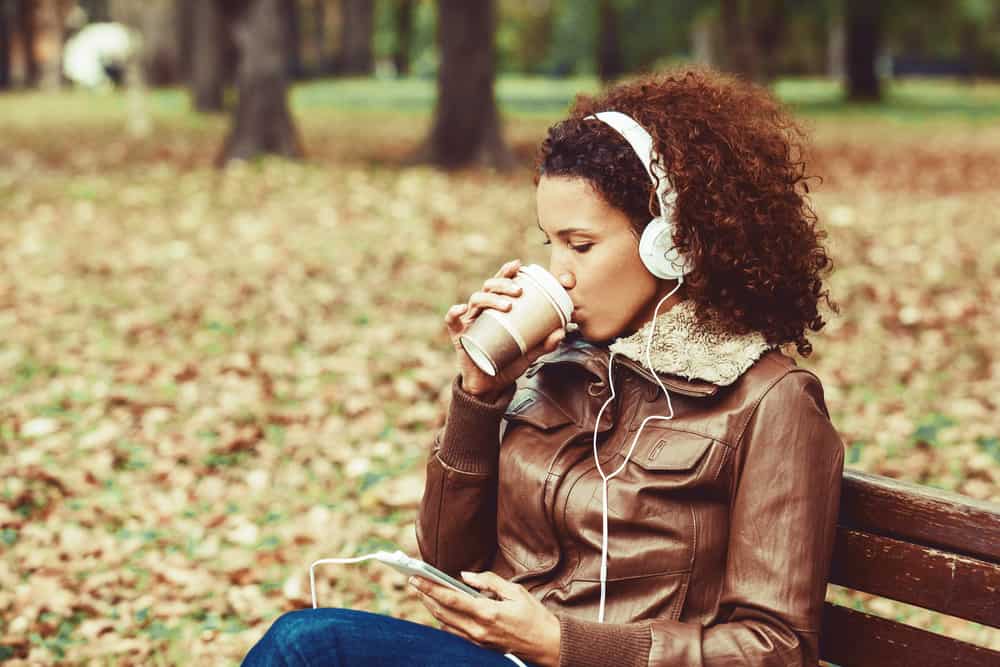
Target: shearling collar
(687,348)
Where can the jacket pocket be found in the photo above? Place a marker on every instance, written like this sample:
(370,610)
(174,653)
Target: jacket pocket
(533,407)
(667,450)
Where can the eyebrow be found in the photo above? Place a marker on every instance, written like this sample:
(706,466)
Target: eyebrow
(562,233)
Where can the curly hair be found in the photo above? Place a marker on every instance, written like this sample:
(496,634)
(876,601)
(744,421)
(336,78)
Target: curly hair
(734,157)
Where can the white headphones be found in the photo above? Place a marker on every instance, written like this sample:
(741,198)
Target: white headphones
(662,258)
(656,246)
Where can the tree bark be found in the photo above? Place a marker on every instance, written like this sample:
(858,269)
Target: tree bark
(294,33)
(739,52)
(769,25)
(610,63)
(208,80)
(25,13)
(404,36)
(466,128)
(184,29)
(319,37)
(4,47)
(262,122)
(356,32)
(864,37)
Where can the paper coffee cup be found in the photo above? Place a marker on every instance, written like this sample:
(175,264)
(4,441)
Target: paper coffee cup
(498,337)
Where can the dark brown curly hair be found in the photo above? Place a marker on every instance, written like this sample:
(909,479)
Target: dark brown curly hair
(734,157)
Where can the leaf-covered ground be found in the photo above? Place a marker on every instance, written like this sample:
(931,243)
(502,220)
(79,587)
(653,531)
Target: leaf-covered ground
(209,379)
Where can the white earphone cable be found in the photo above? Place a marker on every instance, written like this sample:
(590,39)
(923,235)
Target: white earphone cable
(321,561)
(597,460)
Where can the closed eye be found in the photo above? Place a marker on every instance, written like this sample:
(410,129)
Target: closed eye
(581,248)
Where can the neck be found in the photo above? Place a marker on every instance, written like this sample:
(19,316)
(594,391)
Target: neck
(645,314)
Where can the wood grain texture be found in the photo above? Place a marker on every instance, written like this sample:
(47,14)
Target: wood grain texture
(949,583)
(855,639)
(920,514)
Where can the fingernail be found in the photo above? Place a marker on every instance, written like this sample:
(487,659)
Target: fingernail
(565,277)
(468,575)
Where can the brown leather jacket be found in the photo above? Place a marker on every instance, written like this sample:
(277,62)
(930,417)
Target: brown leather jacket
(720,527)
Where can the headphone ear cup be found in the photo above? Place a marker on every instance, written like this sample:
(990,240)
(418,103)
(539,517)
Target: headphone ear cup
(658,253)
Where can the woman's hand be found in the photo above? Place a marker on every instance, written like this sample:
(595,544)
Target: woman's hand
(517,623)
(496,293)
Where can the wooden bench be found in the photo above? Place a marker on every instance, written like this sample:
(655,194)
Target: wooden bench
(918,545)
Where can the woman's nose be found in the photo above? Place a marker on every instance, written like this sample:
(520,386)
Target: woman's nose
(566,279)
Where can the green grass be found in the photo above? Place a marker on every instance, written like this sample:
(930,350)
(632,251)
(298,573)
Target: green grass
(907,101)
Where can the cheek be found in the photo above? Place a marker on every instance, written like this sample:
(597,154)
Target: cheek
(617,285)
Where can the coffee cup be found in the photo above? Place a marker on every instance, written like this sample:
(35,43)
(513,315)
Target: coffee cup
(496,337)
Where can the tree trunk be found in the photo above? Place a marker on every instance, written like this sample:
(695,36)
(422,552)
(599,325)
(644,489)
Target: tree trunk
(184,27)
(262,122)
(319,37)
(466,127)
(610,64)
(356,32)
(739,53)
(404,37)
(52,76)
(4,47)
(864,37)
(208,80)
(294,33)
(25,14)
(769,26)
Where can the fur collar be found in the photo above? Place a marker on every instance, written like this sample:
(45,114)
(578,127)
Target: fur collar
(687,348)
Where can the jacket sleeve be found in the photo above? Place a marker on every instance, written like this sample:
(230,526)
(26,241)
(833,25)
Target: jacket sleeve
(783,514)
(456,522)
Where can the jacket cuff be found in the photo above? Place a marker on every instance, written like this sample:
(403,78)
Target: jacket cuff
(471,439)
(592,644)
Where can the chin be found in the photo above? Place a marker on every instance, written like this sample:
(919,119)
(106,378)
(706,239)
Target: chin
(595,336)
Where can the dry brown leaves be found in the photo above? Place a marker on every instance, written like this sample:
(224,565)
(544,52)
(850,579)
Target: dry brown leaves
(211,379)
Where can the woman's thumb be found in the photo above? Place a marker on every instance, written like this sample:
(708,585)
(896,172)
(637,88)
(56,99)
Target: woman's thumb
(556,337)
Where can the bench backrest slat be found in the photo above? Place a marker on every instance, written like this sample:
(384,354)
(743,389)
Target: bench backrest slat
(851,638)
(918,545)
(920,514)
(949,583)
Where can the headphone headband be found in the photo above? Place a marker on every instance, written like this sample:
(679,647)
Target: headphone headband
(642,144)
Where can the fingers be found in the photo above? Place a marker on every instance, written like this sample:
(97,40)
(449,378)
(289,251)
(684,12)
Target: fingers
(444,596)
(463,625)
(508,270)
(553,340)
(502,286)
(479,301)
(494,294)
(548,345)
(453,317)
(492,582)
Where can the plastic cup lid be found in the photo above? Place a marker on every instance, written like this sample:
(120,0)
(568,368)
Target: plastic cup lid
(557,293)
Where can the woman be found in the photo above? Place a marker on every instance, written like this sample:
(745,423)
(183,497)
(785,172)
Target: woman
(702,537)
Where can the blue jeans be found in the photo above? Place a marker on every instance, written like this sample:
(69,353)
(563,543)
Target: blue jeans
(331,637)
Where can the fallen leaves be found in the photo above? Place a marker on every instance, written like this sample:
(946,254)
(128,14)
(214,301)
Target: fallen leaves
(212,379)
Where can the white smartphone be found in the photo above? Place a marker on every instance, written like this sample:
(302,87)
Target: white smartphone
(416,567)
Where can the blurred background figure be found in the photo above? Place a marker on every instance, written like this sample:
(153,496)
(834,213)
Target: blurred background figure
(98,55)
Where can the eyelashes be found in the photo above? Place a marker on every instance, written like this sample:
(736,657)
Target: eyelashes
(582,248)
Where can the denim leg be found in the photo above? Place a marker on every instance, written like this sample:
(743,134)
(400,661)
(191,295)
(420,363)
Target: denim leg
(332,637)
